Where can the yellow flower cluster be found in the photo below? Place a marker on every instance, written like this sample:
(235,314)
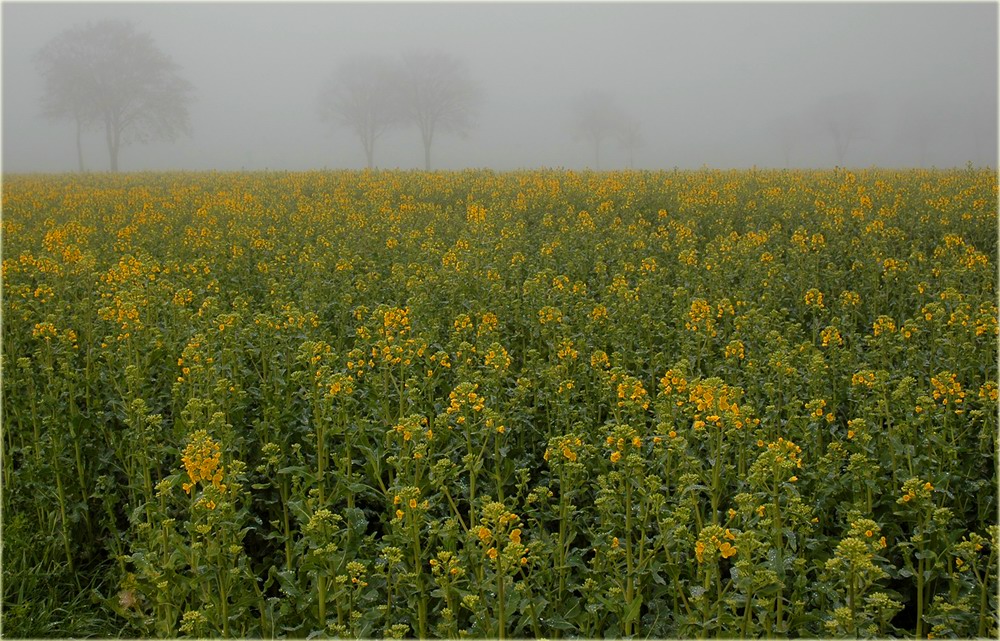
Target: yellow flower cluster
(565,350)
(883,325)
(629,391)
(462,323)
(816,407)
(395,324)
(700,318)
(496,356)
(475,214)
(814,298)
(850,298)
(47,331)
(716,404)
(715,540)
(201,460)
(488,323)
(831,336)
(947,389)
(863,378)
(496,526)
(566,446)
(673,381)
(623,438)
(462,397)
(735,349)
(340,386)
(548,315)
(916,490)
(408,498)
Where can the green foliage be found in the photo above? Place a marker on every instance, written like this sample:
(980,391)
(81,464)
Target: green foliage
(535,404)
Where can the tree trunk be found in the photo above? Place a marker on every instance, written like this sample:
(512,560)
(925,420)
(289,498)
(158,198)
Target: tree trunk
(79,147)
(114,158)
(428,137)
(368,140)
(111,137)
(842,145)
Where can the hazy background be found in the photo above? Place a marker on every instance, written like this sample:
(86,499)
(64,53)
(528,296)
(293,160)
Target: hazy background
(718,85)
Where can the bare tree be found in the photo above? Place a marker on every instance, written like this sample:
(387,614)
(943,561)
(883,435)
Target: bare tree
(789,132)
(109,75)
(920,126)
(68,94)
(596,119)
(846,118)
(364,95)
(439,95)
(630,137)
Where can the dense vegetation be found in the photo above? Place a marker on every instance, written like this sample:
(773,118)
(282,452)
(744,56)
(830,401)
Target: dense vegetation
(548,403)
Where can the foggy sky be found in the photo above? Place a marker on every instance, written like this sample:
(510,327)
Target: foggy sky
(712,84)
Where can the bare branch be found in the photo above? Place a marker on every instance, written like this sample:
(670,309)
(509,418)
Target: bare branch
(109,74)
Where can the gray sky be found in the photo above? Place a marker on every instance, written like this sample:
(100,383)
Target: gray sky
(712,84)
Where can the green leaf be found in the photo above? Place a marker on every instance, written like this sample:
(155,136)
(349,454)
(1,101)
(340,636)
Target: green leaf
(633,610)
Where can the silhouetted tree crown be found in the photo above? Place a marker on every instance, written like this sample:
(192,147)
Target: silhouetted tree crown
(439,95)
(364,94)
(109,76)
(597,118)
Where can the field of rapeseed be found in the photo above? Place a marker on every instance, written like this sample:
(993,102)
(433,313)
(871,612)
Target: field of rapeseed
(532,404)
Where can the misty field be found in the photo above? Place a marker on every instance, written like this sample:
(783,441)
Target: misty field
(525,404)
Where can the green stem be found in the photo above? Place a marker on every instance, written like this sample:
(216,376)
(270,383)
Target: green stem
(561,548)
(496,465)
(321,600)
(779,548)
(62,511)
(418,569)
(629,586)
(920,596)
(224,606)
(851,599)
(747,615)
(984,614)
(501,599)
(287,524)
(454,508)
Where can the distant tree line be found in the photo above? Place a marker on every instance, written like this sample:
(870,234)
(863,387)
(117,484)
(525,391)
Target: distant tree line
(598,119)
(112,78)
(436,92)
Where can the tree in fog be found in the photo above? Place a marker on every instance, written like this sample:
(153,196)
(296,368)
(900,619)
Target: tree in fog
(364,95)
(439,95)
(846,118)
(68,93)
(597,118)
(630,137)
(788,132)
(919,128)
(107,75)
